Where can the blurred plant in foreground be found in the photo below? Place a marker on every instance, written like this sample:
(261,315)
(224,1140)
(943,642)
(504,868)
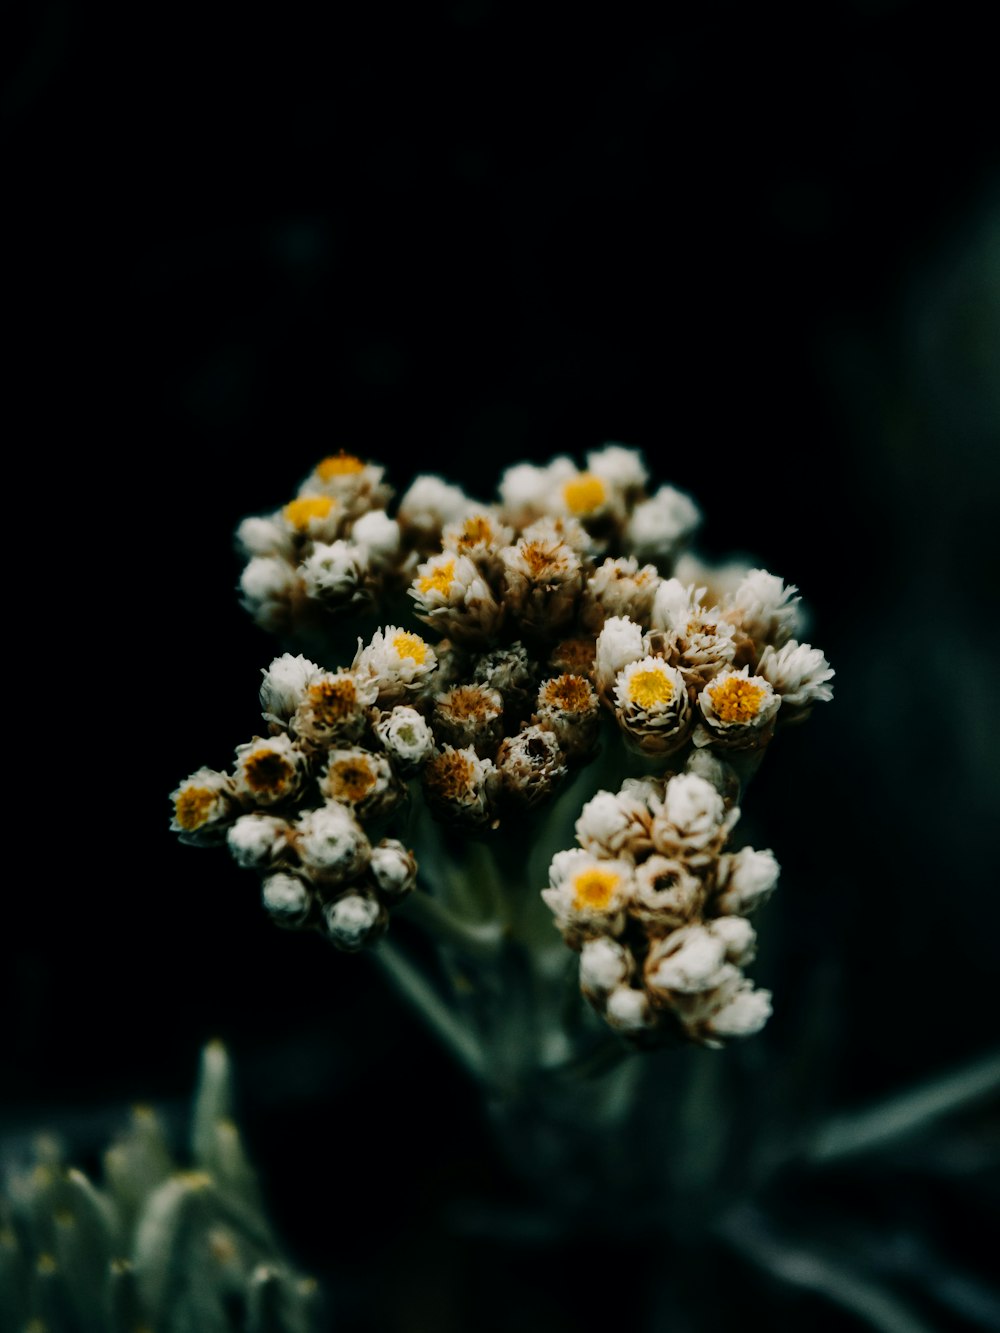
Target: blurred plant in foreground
(154,1247)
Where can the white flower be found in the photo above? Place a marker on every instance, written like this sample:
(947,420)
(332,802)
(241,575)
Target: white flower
(334,706)
(257,840)
(362,779)
(397,660)
(746,879)
(568,706)
(429,504)
(459,786)
(353,919)
(798,672)
(613,823)
(202,802)
(335,573)
(531,765)
(269,769)
(766,610)
(619,642)
(620,588)
(658,527)
(737,709)
(743,1014)
(331,843)
(687,960)
(408,740)
(698,640)
(469,715)
(265,535)
(692,822)
(354,484)
(393,867)
(738,936)
(587,496)
(268,587)
(528,492)
(478,534)
(379,535)
(542,582)
(621,467)
(587,891)
(316,517)
(666,893)
(284,685)
(604,964)
(652,705)
(286,897)
(451,595)
(560,528)
(628,1010)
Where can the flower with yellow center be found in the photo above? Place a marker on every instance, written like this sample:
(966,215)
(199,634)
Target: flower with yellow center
(193,807)
(439,578)
(651,688)
(584,494)
(307,508)
(201,803)
(333,699)
(269,769)
(339,465)
(350,779)
(594,889)
(737,709)
(567,693)
(736,699)
(411,646)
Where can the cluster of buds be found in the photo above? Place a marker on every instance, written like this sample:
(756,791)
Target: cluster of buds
(657,909)
(569,605)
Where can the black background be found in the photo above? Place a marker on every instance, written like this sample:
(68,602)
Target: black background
(762,244)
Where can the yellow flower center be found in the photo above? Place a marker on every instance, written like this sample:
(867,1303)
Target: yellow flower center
(650,689)
(584,493)
(193,807)
(449,775)
(351,779)
(302,511)
(266,771)
(469,701)
(474,531)
(570,693)
(332,700)
(439,579)
(736,699)
(594,888)
(339,465)
(410,645)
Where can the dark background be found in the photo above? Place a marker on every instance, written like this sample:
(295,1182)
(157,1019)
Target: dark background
(763,245)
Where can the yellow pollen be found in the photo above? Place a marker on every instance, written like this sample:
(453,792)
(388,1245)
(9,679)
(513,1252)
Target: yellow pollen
(438,580)
(351,779)
(302,511)
(410,645)
(594,888)
(339,465)
(332,700)
(568,692)
(538,557)
(475,530)
(584,493)
(449,775)
(193,807)
(266,771)
(650,688)
(736,699)
(468,701)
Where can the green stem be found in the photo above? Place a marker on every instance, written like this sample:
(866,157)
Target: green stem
(862,1131)
(432,1008)
(444,927)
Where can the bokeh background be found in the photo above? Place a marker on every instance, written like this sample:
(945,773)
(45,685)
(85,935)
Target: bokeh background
(763,245)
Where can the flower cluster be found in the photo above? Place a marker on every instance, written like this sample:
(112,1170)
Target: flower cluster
(512,638)
(657,910)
